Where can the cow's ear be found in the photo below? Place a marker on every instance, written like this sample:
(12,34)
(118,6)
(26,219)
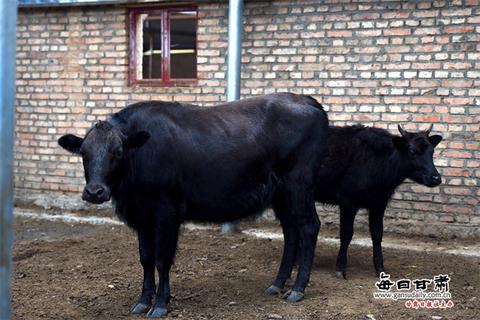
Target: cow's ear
(435,140)
(400,143)
(70,143)
(136,139)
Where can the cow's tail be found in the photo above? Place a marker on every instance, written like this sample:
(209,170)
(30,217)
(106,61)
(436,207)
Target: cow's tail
(321,129)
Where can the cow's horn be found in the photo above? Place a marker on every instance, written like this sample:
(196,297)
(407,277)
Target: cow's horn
(401,130)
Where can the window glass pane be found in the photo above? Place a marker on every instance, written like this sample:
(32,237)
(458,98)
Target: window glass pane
(183,46)
(151,46)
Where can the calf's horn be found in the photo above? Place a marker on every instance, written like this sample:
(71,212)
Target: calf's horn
(429,129)
(401,130)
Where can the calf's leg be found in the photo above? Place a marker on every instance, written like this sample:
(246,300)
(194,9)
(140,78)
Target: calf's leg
(375,220)
(146,246)
(347,217)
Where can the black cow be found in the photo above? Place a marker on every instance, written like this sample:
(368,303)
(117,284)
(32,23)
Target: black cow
(163,163)
(362,169)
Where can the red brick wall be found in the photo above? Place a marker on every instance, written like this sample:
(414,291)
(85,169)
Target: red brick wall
(375,62)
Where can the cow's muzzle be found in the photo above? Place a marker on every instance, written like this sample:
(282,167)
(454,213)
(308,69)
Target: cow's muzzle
(433,180)
(96,193)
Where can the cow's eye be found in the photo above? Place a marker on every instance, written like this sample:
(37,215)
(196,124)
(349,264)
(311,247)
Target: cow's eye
(118,153)
(413,152)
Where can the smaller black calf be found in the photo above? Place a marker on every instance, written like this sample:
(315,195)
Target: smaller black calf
(362,169)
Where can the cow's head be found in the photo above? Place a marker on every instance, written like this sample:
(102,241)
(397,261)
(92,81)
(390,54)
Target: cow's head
(417,149)
(102,150)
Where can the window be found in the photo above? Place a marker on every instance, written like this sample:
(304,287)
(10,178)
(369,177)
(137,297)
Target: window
(163,46)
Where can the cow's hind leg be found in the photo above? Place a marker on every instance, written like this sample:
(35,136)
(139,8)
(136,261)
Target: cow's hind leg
(146,246)
(375,220)
(290,245)
(347,217)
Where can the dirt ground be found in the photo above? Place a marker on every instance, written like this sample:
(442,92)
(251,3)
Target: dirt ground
(80,271)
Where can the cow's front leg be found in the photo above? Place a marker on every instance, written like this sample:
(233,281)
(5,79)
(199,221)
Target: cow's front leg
(347,217)
(308,231)
(290,236)
(375,221)
(166,236)
(290,244)
(146,248)
(304,218)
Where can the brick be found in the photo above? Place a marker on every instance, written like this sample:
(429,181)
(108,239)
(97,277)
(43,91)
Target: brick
(458,101)
(396,32)
(396,100)
(426,65)
(368,33)
(458,29)
(426,118)
(343,33)
(457,12)
(473,74)
(457,65)
(458,83)
(397,66)
(428,48)
(426,31)
(426,100)
(337,100)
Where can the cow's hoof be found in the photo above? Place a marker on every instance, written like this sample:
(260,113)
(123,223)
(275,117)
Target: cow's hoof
(157,312)
(273,290)
(140,308)
(293,296)
(341,275)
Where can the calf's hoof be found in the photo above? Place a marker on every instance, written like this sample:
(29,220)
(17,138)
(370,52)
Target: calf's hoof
(140,308)
(378,271)
(157,312)
(341,275)
(273,290)
(293,296)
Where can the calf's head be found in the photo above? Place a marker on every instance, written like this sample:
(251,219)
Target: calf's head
(102,150)
(416,149)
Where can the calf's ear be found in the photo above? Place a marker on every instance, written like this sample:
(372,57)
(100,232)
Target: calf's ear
(70,143)
(400,143)
(136,139)
(435,140)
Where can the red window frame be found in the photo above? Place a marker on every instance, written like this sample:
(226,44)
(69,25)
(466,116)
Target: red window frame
(166,80)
